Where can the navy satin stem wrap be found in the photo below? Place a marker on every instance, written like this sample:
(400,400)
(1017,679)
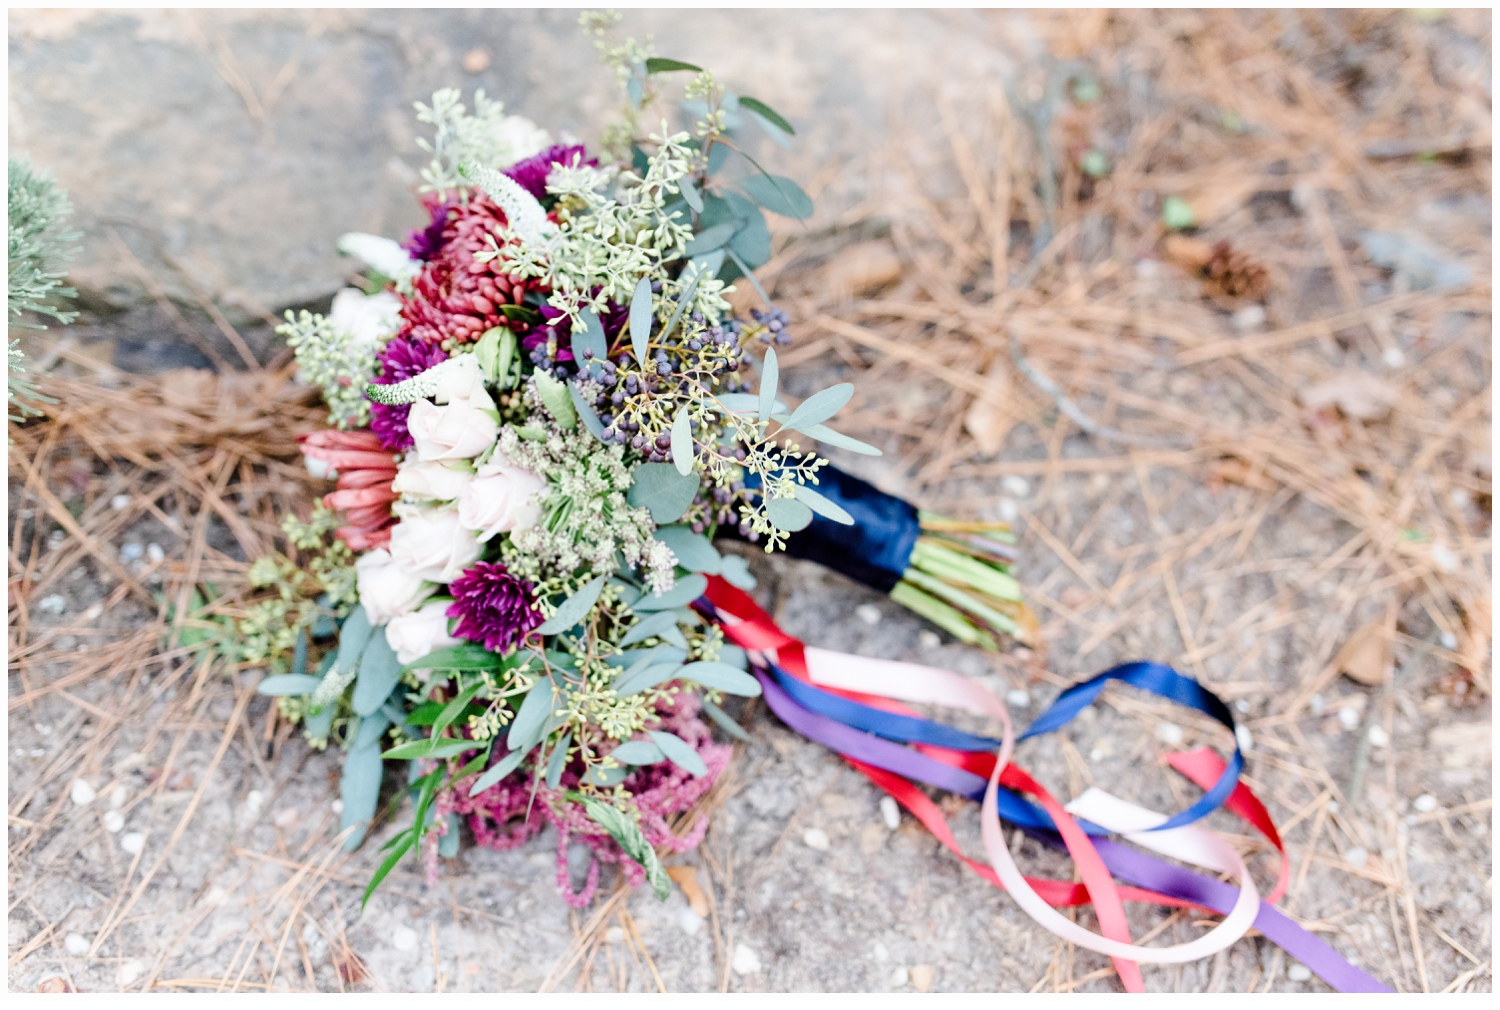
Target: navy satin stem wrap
(875,551)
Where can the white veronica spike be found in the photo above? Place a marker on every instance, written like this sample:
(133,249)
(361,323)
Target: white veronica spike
(525,215)
(385,255)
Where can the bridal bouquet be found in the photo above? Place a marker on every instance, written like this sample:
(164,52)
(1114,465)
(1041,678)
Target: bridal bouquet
(543,410)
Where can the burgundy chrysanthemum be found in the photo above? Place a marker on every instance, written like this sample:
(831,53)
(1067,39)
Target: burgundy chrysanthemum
(531,173)
(424,243)
(494,607)
(401,358)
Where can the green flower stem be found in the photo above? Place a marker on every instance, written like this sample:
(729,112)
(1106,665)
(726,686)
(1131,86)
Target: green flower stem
(952,566)
(962,600)
(944,616)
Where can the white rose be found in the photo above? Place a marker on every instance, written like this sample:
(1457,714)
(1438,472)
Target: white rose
(466,425)
(387,589)
(519,138)
(436,481)
(369,319)
(384,254)
(500,498)
(417,634)
(433,544)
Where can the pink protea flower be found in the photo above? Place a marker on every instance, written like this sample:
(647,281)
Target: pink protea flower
(365,473)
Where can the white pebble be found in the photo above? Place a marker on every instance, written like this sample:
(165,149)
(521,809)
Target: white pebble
(1378,736)
(869,613)
(1393,357)
(900,976)
(1460,498)
(117,796)
(404,938)
(76,945)
(690,921)
(254,800)
(890,813)
(1449,640)
(1018,698)
(879,953)
(1097,754)
(131,970)
(1333,806)
(133,842)
(1249,318)
(1009,510)
(1298,972)
(615,934)
(94,612)
(83,794)
(54,604)
(1425,804)
(1357,856)
(1169,733)
(929,639)
(154,553)
(132,551)
(113,821)
(1316,704)
(1444,558)
(337,806)
(744,961)
(216,896)
(816,838)
(285,818)
(320,469)
(1018,486)
(1348,717)
(120,502)
(1241,705)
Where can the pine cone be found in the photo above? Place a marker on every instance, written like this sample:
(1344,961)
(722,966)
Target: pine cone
(1235,274)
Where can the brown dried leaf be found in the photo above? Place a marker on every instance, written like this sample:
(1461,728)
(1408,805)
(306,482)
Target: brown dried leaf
(1237,471)
(986,421)
(1366,656)
(1189,253)
(864,268)
(1357,395)
(687,879)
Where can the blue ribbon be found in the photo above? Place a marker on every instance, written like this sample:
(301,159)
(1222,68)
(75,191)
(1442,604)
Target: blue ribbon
(1155,678)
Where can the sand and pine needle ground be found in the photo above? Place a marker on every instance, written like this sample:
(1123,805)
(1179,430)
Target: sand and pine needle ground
(1254,444)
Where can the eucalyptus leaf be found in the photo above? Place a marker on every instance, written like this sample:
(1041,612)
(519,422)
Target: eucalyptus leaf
(639,680)
(606,777)
(682,442)
(685,298)
(628,593)
(317,725)
(688,589)
(820,406)
(635,92)
(709,263)
(828,436)
(769,375)
(591,338)
(660,488)
(287,684)
(448,843)
(733,655)
(574,609)
(504,767)
(823,505)
(779,195)
(771,116)
(359,790)
(354,634)
(675,636)
(586,411)
(558,761)
(379,672)
(736,572)
(727,724)
(678,752)
(691,195)
(721,677)
(711,238)
(770,129)
(638,752)
(788,514)
(692,550)
(554,396)
(526,730)
(371,729)
(651,627)
(752,243)
(642,315)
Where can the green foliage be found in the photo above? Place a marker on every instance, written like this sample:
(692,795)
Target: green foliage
(40,247)
(333,361)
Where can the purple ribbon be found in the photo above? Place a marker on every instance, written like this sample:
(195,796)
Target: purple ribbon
(1129,864)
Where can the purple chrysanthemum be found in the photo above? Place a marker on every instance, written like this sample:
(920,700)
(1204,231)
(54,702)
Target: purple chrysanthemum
(494,607)
(423,243)
(401,358)
(532,172)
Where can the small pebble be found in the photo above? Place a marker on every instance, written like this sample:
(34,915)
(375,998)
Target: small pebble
(1449,640)
(1251,317)
(1316,704)
(1425,804)
(890,813)
(118,795)
(1243,738)
(1393,357)
(1169,733)
(83,794)
(879,953)
(1241,705)
(869,613)
(744,961)
(921,977)
(1444,558)
(1378,736)
(1009,510)
(337,806)
(216,896)
(404,938)
(132,551)
(1018,486)
(1298,972)
(1333,806)
(690,921)
(94,612)
(155,554)
(1357,856)
(54,604)
(615,934)
(929,639)
(120,502)
(254,800)
(76,945)
(133,842)
(113,821)
(816,838)
(131,970)
(1018,698)
(1348,717)
(900,976)
(285,818)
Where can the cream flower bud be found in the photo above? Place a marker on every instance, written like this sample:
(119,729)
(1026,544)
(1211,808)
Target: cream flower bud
(387,589)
